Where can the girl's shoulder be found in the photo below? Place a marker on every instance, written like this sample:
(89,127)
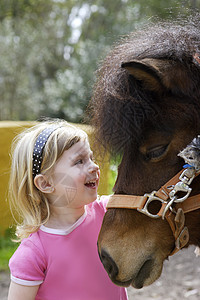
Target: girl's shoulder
(100,203)
(33,241)
(103,200)
(29,260)
(31,246)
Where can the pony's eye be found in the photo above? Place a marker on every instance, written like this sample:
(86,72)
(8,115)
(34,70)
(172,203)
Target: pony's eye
(156,153)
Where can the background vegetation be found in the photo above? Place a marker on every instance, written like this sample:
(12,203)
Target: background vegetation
(7,248)
(50,50)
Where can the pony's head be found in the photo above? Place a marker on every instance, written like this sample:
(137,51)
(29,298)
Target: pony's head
(146,107)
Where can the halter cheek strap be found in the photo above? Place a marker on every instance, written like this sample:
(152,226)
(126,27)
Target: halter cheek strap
(39,147)
(172,207)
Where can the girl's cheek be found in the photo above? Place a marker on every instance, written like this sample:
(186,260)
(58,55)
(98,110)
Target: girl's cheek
(81,174)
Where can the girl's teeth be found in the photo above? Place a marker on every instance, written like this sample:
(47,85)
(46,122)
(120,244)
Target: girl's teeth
(90,183)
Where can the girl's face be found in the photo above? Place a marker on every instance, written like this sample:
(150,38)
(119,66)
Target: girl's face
(75,177)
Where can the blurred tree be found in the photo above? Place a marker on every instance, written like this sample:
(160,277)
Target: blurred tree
(20,8)
(50,50)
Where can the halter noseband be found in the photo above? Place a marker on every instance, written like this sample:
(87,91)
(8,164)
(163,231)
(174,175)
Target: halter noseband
(172,208)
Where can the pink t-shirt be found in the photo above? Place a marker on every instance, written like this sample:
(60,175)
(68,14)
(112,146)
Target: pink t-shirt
(65,263)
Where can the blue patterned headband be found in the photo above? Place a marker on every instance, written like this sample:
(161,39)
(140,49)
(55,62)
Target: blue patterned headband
(39,147)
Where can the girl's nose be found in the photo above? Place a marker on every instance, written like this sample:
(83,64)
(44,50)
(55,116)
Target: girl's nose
(93,167)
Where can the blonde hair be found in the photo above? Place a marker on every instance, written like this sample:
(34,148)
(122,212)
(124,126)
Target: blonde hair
(26,200)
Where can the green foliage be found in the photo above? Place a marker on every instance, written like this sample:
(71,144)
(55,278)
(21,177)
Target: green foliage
(22,8)
(5,255)
(112,178)
(50,50)
(7,248)
(114,163)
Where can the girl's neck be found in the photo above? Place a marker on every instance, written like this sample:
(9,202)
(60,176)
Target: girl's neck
(61,218)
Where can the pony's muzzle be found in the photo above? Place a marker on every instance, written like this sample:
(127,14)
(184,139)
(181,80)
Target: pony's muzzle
(109,264)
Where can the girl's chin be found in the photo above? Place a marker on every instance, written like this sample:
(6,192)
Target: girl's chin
(93,197)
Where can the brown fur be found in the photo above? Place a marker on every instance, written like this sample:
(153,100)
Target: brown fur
(146,106)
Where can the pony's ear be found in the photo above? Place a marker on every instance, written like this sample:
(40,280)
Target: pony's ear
(146,72)
(159,74)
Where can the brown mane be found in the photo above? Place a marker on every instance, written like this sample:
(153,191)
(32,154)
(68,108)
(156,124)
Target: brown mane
(121,106)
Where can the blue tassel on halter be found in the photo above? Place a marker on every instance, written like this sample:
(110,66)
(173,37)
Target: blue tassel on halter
(187,166)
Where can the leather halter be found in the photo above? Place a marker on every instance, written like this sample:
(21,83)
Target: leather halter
(172,207)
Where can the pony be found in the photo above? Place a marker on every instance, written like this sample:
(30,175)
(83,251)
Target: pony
(146,108)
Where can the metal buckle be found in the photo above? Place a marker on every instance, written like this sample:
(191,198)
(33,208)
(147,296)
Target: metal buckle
(168,206)
(150,197)
(180,187)
(188,175)
(186,178)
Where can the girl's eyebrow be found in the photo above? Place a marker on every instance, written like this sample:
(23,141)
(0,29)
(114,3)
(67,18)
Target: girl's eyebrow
(81,154)
(76,156)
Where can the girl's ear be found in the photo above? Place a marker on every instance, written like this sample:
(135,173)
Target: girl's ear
(43,184)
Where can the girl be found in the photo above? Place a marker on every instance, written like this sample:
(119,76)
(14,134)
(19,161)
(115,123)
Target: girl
(53,185)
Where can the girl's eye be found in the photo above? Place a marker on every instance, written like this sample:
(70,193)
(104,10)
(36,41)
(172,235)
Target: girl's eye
(156,152)
(78,162)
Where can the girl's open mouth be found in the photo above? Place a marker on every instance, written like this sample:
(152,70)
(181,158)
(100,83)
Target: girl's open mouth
(91,184)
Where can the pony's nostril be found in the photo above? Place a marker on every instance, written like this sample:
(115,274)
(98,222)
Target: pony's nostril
(109,264)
